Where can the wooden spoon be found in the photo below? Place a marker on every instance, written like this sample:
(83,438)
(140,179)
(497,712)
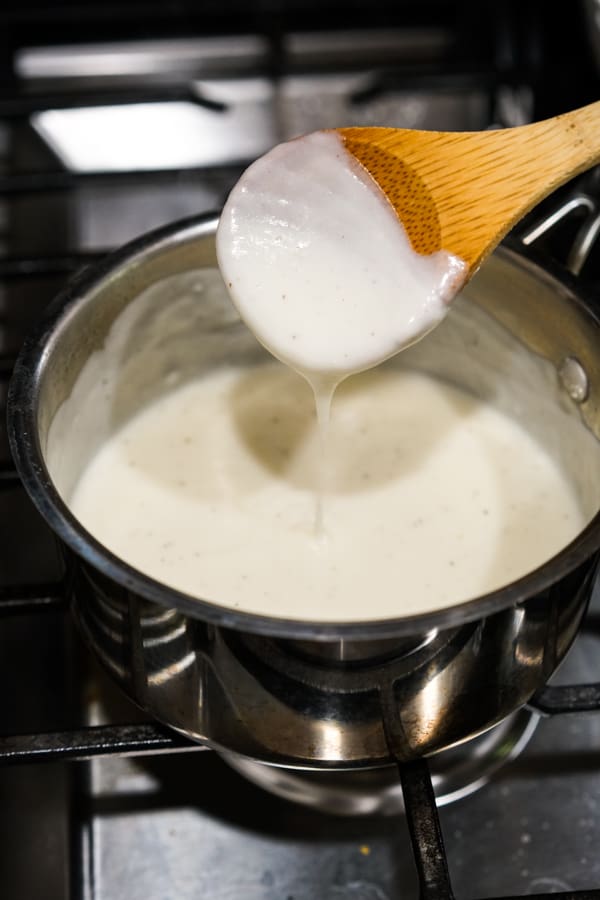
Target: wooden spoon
(463,191)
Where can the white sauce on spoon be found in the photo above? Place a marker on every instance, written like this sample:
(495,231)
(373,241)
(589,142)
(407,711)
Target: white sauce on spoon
(320,267)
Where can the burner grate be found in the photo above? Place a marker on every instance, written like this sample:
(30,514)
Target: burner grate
(425,831)
(553,700)
(99,740)
(428,845)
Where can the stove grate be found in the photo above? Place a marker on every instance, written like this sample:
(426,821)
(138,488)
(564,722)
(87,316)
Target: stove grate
(425,831)
(98,740)
(428,845)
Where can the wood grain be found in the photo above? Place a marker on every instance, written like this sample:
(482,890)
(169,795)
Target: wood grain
(463,191)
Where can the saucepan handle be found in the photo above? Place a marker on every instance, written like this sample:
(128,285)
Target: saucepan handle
(583,204)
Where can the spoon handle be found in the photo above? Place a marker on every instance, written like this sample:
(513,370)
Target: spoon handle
(482,182)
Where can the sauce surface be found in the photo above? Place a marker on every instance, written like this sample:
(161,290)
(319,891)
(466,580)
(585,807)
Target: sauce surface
(432,497)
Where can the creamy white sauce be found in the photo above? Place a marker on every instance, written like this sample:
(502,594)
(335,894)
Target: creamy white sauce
(433,497)
(319,265)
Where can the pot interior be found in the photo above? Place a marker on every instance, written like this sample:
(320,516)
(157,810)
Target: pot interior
(516,338)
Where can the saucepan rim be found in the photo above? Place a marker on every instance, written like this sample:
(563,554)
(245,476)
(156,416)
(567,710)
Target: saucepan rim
(22,411)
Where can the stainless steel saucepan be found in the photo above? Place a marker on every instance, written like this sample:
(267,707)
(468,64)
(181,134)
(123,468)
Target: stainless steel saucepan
(297,693)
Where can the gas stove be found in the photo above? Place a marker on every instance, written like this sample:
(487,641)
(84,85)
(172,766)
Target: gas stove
(113,122)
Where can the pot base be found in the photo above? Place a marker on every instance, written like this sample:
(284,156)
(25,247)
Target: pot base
(456,773)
